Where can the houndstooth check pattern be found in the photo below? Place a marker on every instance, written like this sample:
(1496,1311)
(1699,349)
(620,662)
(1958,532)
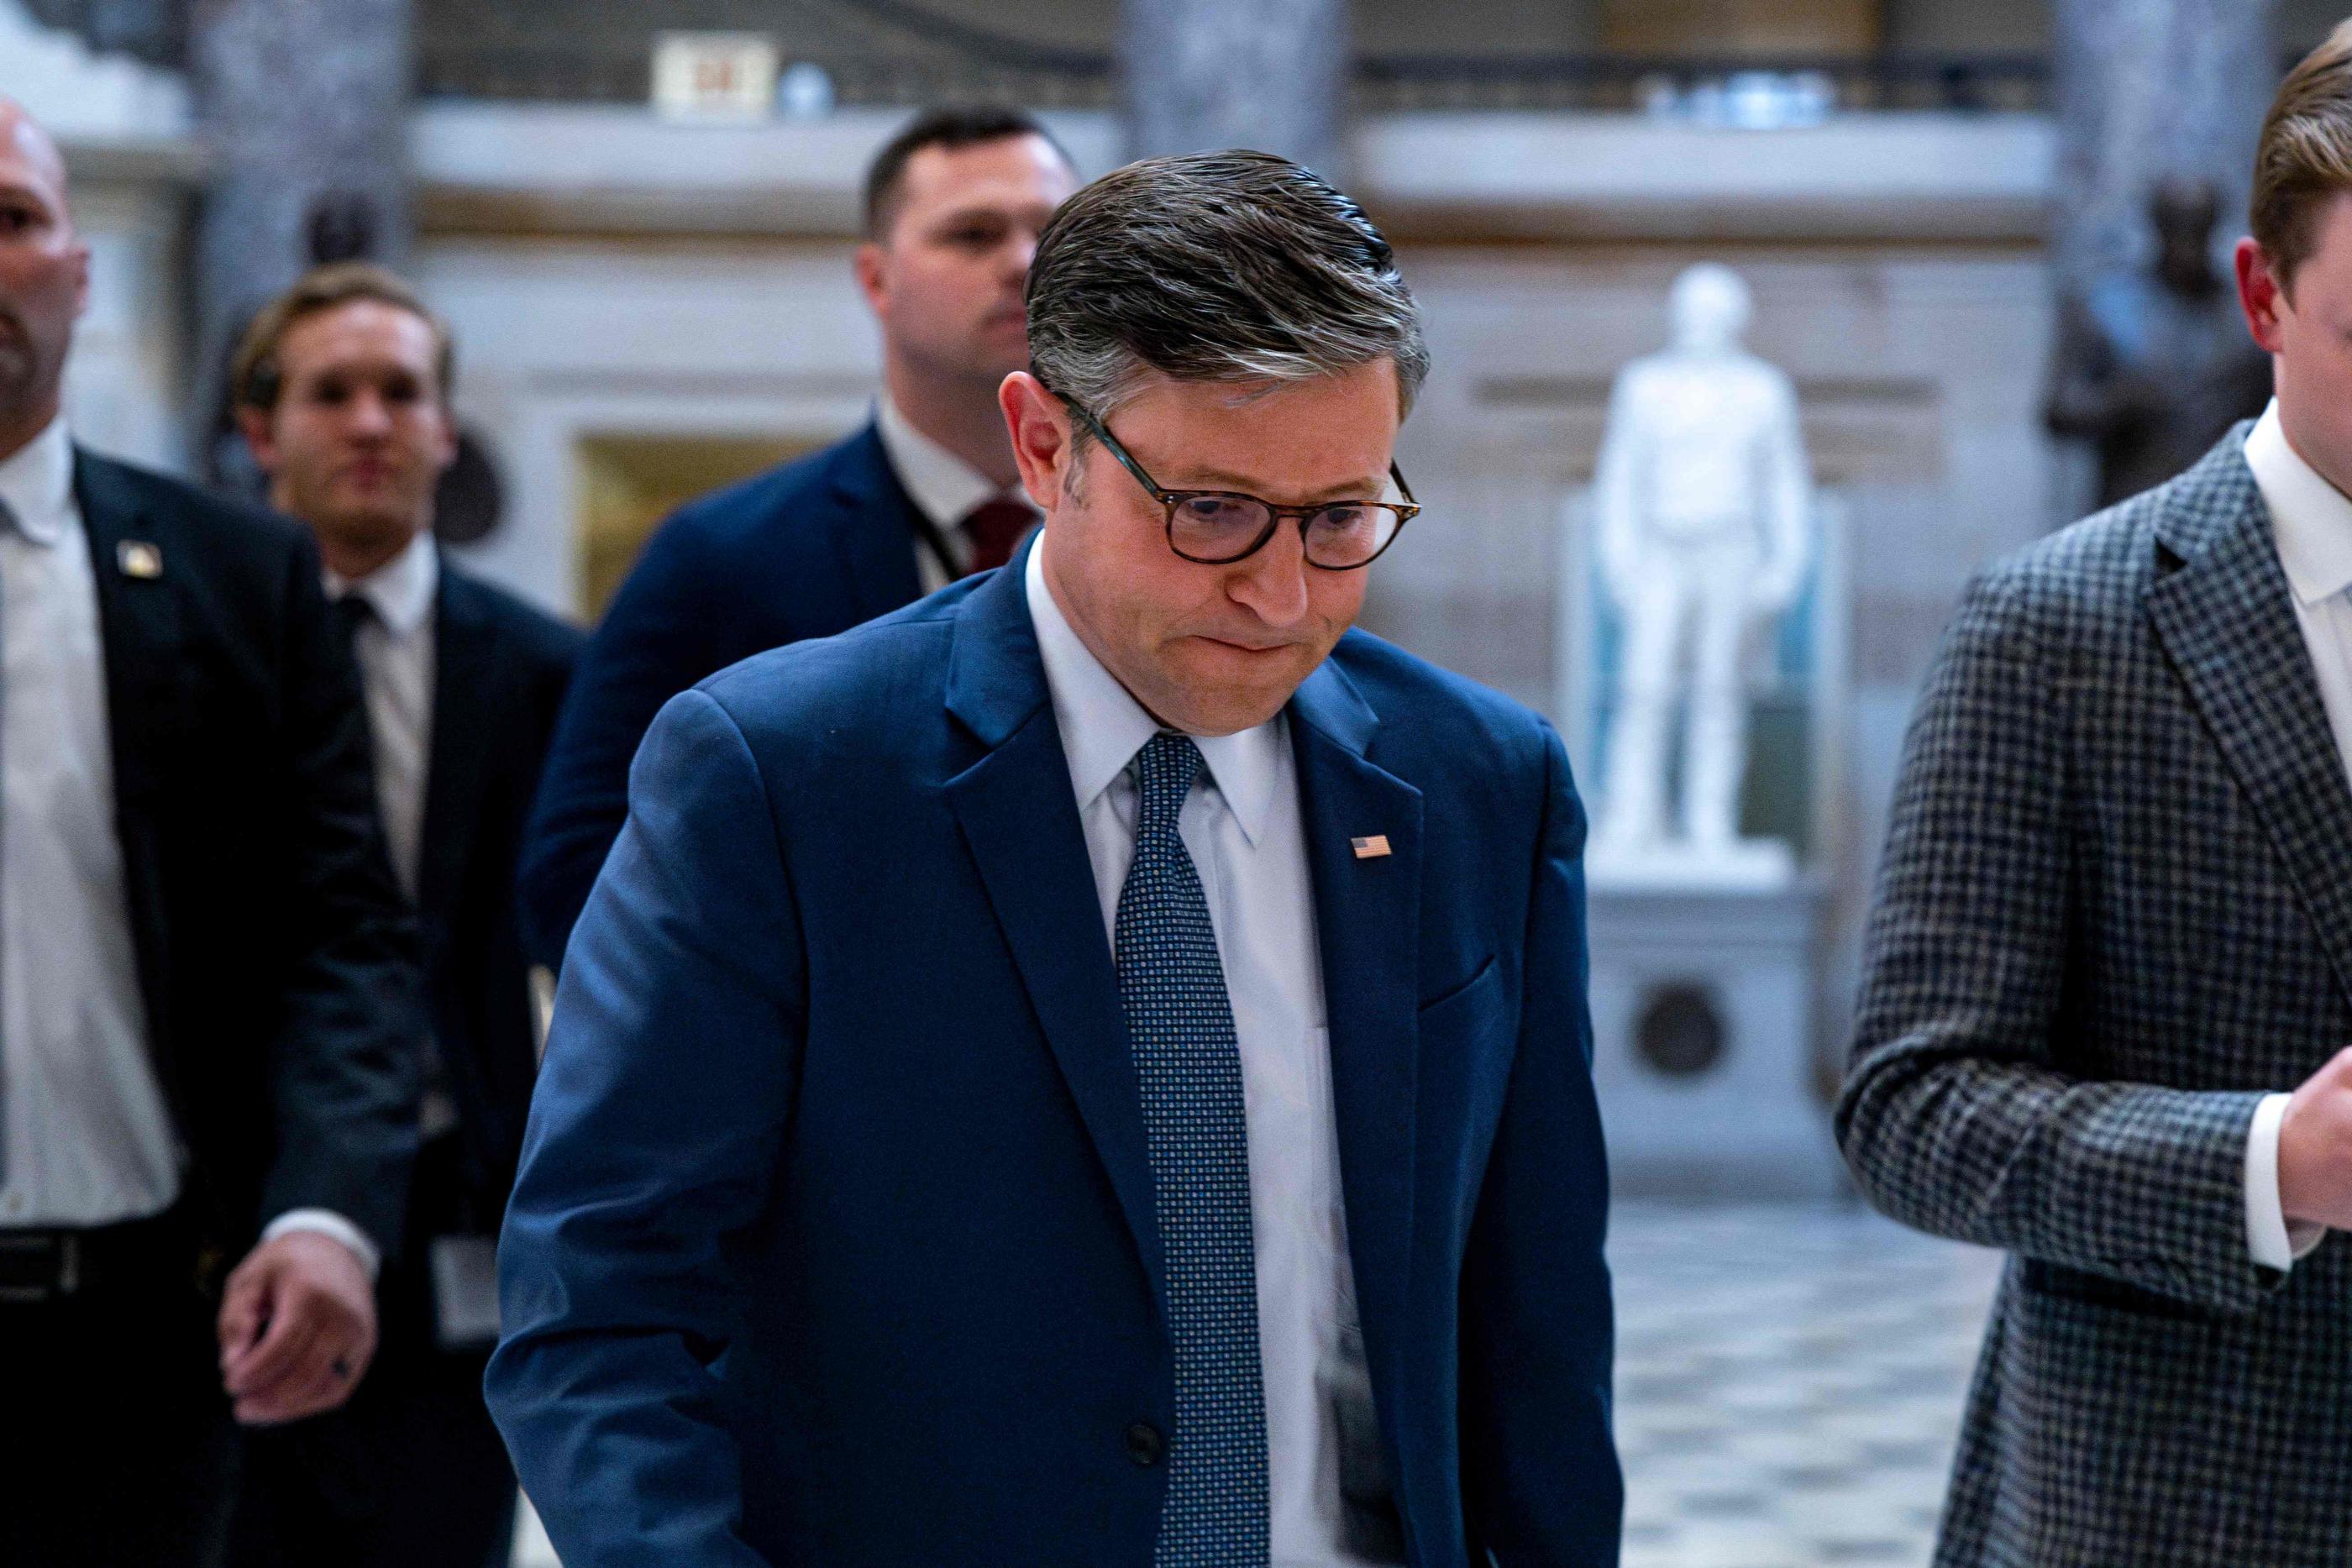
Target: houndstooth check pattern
(1180,1025)
(2116,906)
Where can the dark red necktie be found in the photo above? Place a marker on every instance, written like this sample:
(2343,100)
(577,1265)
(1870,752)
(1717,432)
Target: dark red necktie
(993,527)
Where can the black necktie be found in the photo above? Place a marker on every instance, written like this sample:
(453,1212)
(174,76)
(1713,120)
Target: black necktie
(352,611)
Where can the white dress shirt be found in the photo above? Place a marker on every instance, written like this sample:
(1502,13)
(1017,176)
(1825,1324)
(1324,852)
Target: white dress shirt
(2311,522)
(1242,827)
(88,1137)
(942,486)
(397,668)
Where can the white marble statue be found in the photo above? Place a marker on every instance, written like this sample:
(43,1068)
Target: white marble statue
(1702,512)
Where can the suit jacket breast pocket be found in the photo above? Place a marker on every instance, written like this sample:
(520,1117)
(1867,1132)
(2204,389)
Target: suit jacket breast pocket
(1467,1035)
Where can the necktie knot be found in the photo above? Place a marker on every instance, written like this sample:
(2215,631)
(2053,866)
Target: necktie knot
(1164,772)
(993,527)
(352,611)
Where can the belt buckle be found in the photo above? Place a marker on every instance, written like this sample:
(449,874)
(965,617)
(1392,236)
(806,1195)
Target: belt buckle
(65,1246)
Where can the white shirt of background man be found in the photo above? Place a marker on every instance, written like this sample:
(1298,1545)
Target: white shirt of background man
(397,667)
(943,486)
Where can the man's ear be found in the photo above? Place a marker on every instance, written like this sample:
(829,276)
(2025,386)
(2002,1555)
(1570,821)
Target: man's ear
(1040,429)
(253,425)
(866,264)
(2261,295)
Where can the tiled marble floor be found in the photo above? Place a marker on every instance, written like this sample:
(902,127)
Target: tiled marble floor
(1788,1384)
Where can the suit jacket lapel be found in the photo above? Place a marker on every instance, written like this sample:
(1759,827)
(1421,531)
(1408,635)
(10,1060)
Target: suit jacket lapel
(1367,914)
(465,670)
(875,527)
(2226,616)
(1020,821)
(134,559)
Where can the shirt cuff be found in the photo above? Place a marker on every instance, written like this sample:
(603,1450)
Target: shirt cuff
(327,1222)
(2273,1242)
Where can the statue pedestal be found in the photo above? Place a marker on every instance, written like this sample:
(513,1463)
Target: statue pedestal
(1703,1018)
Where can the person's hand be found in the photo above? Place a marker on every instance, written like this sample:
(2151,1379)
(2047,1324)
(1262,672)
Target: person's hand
(2314,1153)
(297,1328)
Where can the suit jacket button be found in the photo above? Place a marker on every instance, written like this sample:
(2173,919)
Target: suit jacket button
(1145,1445)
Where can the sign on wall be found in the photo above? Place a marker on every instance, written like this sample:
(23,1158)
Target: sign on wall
(727,77)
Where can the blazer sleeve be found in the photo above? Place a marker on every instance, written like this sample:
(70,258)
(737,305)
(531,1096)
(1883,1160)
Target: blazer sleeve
(1540,1476)
(344,1066)
(659,637)
(1961,1113)
(654,1140)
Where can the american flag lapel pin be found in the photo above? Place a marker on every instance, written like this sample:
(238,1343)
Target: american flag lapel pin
(1370,849)
(138,558)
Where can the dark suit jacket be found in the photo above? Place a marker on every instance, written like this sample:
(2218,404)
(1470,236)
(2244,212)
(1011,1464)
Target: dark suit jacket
(500,667)
(807,551)
(276,960)
(2115,908)
(834,1241)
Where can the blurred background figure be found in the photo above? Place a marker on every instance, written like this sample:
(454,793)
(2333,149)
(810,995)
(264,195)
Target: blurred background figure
(208,982)
(341,386)
(923,494)
(2154,363)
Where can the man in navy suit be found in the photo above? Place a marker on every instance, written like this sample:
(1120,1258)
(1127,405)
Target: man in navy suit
(342,386)
(1093,1068)
(924,493)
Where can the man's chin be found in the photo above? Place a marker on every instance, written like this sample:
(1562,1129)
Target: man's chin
(1214,699)
(371,530)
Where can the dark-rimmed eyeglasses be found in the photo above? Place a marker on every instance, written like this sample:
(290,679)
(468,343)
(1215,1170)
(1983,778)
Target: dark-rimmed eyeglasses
(1217,527)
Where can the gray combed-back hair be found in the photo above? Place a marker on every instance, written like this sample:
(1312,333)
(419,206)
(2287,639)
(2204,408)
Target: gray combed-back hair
(1230,266)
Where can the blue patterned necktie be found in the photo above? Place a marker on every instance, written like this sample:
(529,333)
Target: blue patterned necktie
(1180,1026)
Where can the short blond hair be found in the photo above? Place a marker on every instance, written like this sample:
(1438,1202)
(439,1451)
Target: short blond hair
(257,380)
(2304,158)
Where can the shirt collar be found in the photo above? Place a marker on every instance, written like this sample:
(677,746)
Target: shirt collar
(36,483)
(2311,519)
(1103,726)
(943,485)
(400,591)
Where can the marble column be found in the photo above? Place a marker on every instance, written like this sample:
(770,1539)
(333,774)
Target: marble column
(2149,90)
(1267,74)
(304,105)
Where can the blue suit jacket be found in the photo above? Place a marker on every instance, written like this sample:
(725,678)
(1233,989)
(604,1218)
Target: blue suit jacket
(834,1240)
(805,551)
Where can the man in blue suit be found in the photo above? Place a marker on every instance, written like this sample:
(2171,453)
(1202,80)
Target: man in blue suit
(1093,1068)
(924,493)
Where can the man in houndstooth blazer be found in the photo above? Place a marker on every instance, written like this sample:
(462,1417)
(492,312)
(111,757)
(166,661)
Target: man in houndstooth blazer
(2115,924)
(2116,907)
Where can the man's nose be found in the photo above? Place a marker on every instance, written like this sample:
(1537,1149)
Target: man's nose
(1273,582)
(368,414)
